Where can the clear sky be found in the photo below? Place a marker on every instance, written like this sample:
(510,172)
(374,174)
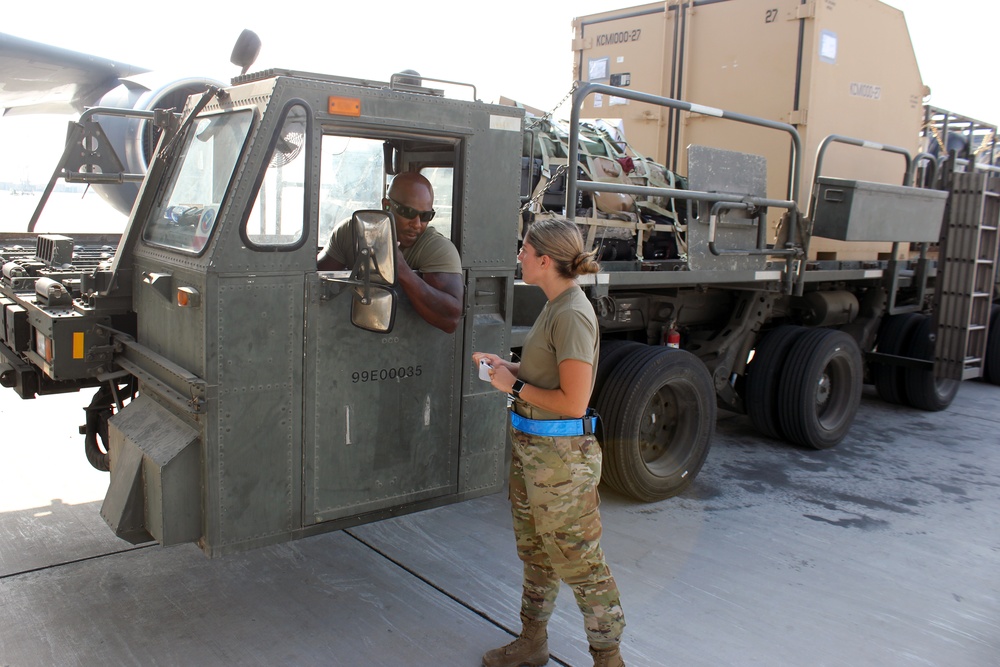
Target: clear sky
(517,48)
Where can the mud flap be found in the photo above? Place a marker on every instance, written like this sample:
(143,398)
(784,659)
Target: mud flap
(123,506)
(155,490)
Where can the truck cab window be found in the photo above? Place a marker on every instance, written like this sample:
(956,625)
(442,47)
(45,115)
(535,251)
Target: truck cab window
(351,179)
(442,180)
(185,217)
(279,212)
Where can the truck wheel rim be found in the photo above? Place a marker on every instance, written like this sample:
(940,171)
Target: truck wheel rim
(663,422)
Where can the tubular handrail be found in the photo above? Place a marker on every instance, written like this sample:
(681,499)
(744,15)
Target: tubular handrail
(757,213)
(398,81)
(582,92)
(861,143)
(924,157)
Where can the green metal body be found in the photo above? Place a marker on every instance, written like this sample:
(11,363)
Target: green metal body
(264,414)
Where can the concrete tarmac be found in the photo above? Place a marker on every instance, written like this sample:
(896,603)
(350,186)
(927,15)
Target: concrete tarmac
(883,551)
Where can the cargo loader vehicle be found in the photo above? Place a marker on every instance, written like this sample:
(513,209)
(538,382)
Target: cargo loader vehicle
(241,397)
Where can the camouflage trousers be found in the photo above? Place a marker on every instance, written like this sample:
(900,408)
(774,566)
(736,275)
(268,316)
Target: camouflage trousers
(554,502)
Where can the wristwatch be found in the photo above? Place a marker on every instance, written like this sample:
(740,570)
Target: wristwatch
(516,388)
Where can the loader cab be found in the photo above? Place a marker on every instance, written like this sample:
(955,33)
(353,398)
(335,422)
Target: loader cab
(309,408)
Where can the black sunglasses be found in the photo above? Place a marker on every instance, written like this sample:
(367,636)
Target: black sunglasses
(409,212)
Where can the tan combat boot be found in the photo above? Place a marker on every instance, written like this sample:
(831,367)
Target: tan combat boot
(530,649)
(607,657)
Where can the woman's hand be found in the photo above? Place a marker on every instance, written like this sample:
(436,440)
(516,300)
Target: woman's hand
(501,378)
(492,359)
(502,372)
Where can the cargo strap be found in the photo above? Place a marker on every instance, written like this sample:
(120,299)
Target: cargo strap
(555,427)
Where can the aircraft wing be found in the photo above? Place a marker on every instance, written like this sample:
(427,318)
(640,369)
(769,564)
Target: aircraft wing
(39,78)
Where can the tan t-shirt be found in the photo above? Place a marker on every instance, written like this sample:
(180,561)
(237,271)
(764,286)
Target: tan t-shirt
(565,329)
(431,253)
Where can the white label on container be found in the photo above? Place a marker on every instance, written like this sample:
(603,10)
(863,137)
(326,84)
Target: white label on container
(597,68)
(828,46)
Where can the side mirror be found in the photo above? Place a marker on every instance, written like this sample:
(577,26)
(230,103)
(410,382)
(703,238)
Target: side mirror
(374,247)
(246,50)
(374,305)
(377,312)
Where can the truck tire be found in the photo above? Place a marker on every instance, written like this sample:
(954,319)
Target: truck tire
(991,365)
(820,388)
(894,337)
(612,352)
(923,390)
(658,414)
(763,372)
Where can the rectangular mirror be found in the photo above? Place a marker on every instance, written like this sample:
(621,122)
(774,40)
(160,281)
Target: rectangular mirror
(375,238)
(378,314)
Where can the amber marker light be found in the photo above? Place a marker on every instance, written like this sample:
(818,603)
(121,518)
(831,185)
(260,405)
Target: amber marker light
(188,297)
(44,346)
(344,106)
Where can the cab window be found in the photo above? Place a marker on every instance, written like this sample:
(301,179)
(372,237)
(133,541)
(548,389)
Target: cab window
(351,179)
(353,176)
(441,179)
(277,218)
(185,217)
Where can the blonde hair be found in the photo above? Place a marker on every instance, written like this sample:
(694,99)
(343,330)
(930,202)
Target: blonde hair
(561,240)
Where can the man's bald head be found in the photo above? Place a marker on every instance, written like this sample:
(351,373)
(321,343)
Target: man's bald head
(407,182)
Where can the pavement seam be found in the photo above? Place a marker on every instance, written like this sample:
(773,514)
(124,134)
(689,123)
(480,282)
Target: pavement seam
(450,596)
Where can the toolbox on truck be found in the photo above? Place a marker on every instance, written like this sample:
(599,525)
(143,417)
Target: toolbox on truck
(851,210)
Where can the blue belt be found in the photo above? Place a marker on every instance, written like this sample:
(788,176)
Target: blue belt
(555,427)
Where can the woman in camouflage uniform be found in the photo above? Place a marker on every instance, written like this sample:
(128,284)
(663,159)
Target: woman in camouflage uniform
(556,462)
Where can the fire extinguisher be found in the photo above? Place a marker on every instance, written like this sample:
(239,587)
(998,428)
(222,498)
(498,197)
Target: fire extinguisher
(672,337)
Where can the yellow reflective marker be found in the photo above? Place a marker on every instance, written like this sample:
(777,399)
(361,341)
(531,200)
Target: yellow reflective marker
(78,345)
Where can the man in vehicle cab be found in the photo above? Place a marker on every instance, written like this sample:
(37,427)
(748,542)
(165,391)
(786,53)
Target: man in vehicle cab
(428,265)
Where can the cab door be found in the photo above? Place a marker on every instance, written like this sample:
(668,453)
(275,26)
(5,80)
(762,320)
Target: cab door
(381,410)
